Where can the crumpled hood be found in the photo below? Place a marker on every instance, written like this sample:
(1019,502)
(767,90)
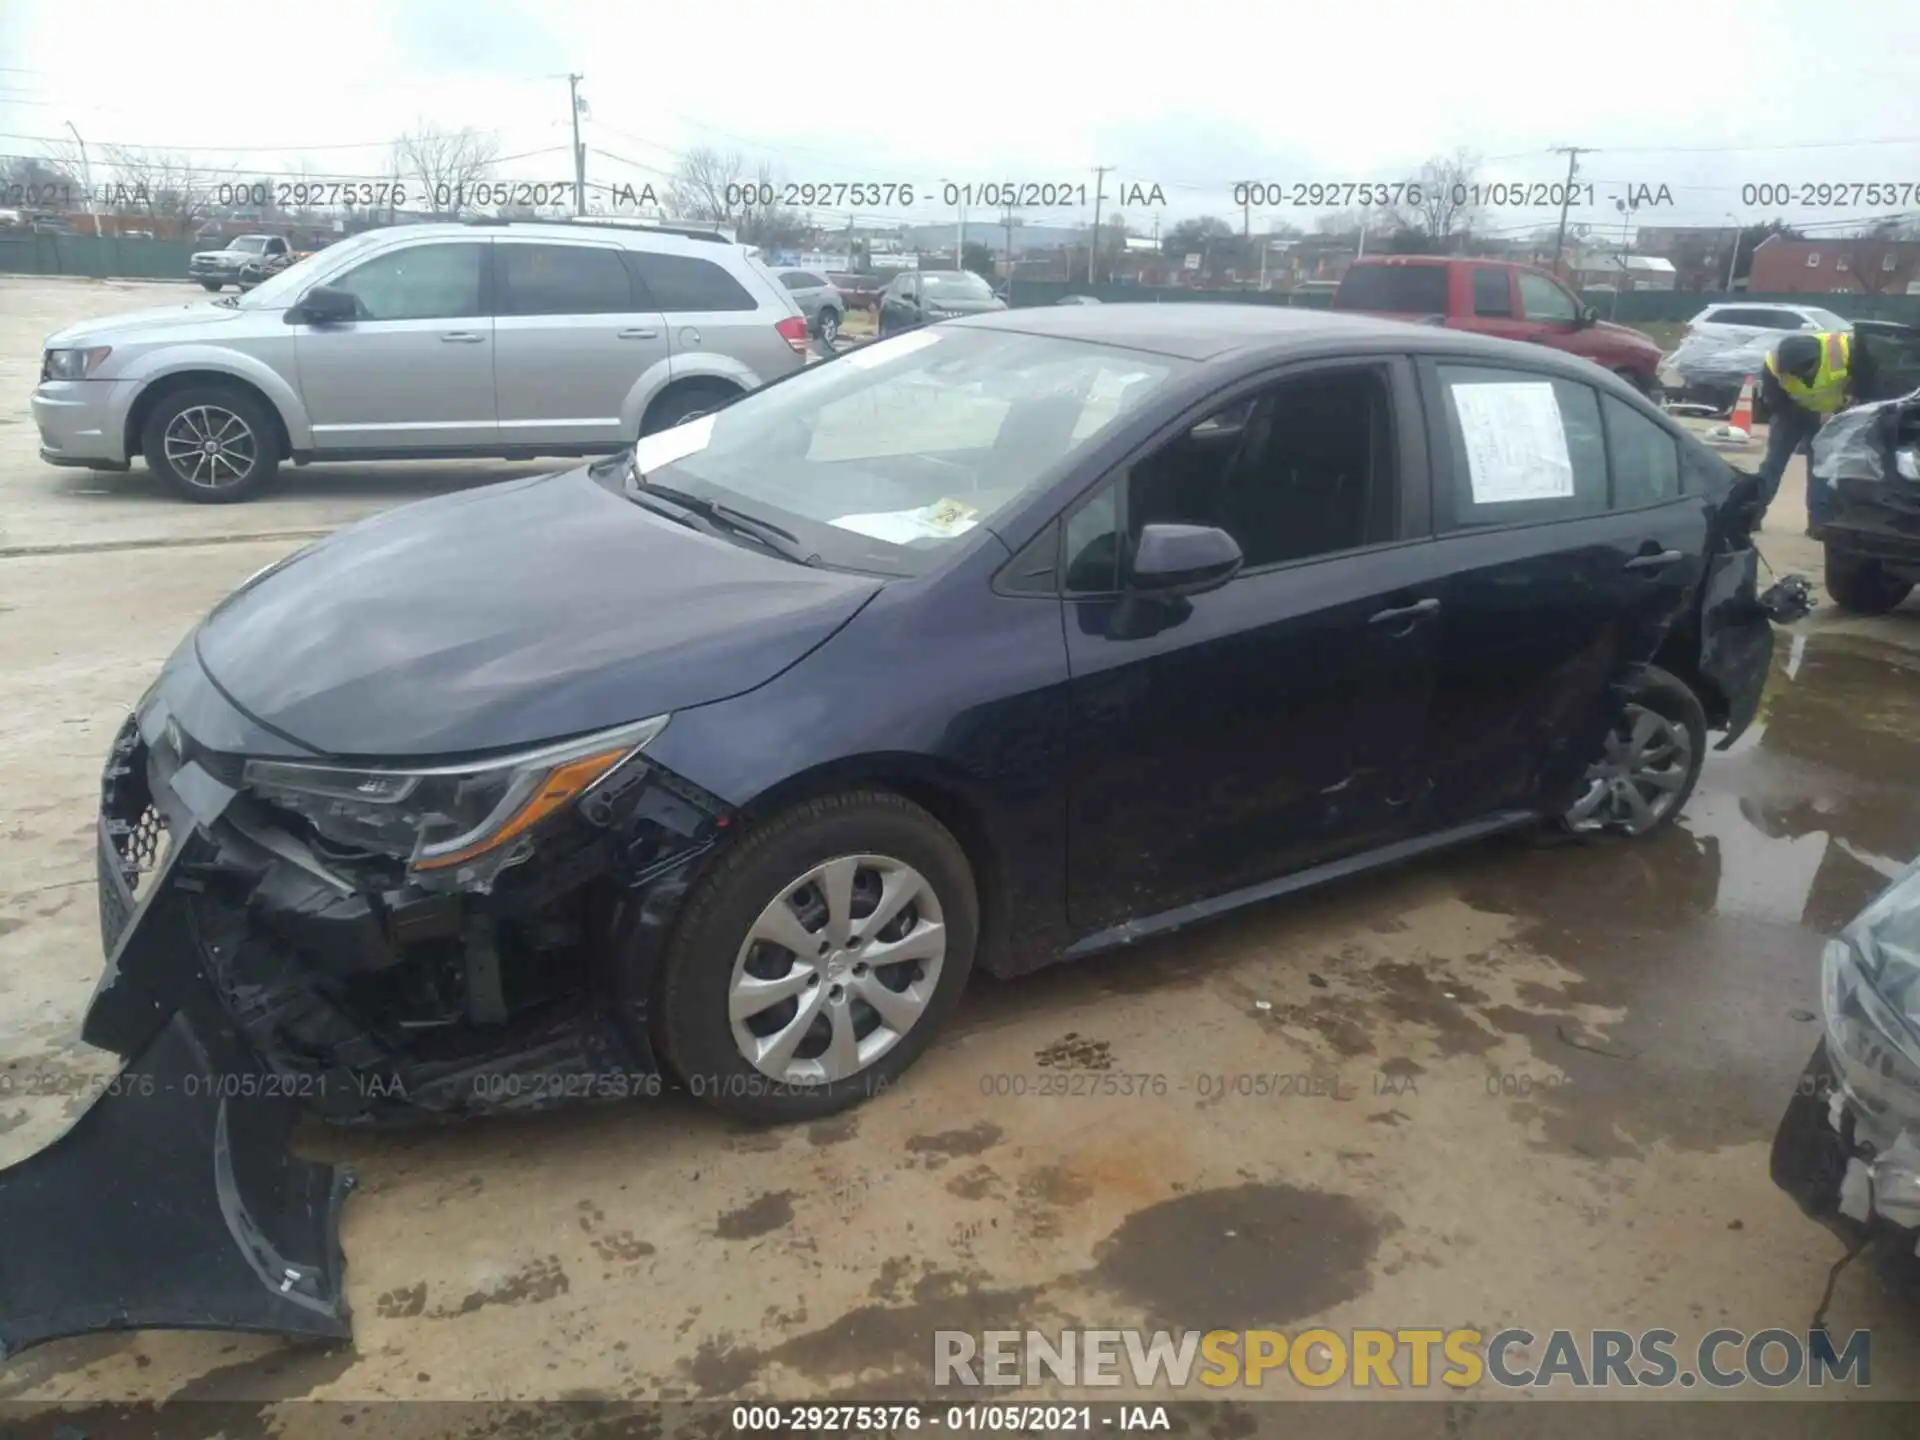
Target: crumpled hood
(110,328)
(509,615)
(1870,993)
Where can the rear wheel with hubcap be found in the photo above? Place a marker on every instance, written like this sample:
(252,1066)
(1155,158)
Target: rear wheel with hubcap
(1649,765)
(685,404)
(829,327)
(819,958)
(212,443)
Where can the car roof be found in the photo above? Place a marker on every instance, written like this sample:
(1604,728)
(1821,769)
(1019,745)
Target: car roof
(1259,333)
(679,240)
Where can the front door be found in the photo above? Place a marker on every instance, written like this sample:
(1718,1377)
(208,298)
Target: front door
(414,369)
(570,343)
(1275,722)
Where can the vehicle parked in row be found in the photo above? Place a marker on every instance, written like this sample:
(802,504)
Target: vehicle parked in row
(1870,456)
(819,300)
(1726,344)
(490,339)
(921,297)
(216,269)
(1498,298)
(723,763)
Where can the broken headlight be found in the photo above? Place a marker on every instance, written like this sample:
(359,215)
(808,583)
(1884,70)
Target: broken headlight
(1870,993)
(464,821)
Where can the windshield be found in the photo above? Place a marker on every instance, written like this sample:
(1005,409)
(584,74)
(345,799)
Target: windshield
(956,285)
(1827,320)
(254,243)
(884,459)
(281,290)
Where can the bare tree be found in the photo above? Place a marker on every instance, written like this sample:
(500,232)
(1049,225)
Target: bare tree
(1443,206)
(702,187)
(442,167)
(1878,262)
(169,188)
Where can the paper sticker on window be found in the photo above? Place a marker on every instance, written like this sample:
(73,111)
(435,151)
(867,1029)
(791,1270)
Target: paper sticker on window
(663,447)
(941,520)
(1515,442)
(879,352)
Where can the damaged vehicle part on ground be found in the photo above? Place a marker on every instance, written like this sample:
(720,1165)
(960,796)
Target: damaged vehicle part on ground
(1869,457)
(1019,637)
(1848,1147)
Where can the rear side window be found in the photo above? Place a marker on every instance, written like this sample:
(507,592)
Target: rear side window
(796,282)
(1526,448)
(561,280)
(1646,459)
(682,282)
(1416,289)
(1492,295)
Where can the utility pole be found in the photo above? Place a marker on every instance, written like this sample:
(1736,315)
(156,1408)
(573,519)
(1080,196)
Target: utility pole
(1573,154)
(86,177)
(579,150)
(1099,194)
(1010,266)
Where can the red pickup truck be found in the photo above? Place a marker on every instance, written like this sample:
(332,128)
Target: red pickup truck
(1497,297)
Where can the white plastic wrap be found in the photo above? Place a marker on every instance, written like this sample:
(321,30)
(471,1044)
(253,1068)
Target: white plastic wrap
(1713,360)
(1873,443)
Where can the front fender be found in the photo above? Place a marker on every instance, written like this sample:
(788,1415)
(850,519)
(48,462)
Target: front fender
(218,359)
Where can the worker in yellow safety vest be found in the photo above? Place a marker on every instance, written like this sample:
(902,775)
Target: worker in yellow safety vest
(1807,378)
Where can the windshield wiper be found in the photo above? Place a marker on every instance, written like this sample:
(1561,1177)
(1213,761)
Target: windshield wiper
(782,542)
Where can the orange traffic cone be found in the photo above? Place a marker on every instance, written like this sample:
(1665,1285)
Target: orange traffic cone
(1742,417)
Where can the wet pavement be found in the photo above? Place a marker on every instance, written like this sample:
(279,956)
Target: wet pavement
(1521,1084)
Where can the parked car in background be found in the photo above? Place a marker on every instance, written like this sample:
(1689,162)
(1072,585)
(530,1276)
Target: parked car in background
(726,762)
(1737,321)
(216,269)
(920,297)
(860,292)
(818,300)
(1077,300)
(509,340)
(1498,298)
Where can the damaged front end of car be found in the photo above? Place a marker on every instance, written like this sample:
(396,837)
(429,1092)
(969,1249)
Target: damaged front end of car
(1848,1148)
(288,935)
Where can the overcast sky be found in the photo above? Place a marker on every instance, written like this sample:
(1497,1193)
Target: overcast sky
(1191,96)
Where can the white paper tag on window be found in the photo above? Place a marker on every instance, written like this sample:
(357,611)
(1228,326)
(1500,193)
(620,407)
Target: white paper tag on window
(1515,441)
(663,447)
(941,520)
(879,352)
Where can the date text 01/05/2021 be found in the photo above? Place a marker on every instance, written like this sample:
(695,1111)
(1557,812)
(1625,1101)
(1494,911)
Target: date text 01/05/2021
(965,1419)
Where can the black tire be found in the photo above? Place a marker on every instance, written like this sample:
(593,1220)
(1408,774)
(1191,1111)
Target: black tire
(213,285)
(694,1032)
(1670,698)
(264,451)
(1862,585)
(827,326)
(684,403)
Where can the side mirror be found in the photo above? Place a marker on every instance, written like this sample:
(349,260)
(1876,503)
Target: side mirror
(1585,316)
(323,305)
(1184,559)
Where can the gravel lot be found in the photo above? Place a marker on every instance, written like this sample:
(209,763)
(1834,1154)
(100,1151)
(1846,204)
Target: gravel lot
(1558,1070)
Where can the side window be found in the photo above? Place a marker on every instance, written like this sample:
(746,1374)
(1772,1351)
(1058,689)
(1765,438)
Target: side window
(1646,459)
(685,282)
(1492,295)
(276,246)
(796,282)
(561,280)
(1093,543)
(420,282)
(1525,447)
(1544,300)
(1300,469)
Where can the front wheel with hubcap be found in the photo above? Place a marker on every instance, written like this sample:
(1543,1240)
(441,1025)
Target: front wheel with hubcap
(213,443)
(819,958)
(1649,764)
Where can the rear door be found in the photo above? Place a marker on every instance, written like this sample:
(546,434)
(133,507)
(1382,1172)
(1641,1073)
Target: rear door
(1569,552)
(414,369)
(571,338)
(707,310)
(1278,721)
(1493,301)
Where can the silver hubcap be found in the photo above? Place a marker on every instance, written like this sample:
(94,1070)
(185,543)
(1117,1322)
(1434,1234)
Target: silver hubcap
(829,327)
(210,447)
(1636,782)
(837,969)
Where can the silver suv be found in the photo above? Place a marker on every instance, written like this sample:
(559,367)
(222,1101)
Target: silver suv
(506,340)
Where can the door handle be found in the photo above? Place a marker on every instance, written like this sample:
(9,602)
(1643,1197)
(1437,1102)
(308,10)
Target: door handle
(1655,562)
(462,337)
(1408,615)
(637,333)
